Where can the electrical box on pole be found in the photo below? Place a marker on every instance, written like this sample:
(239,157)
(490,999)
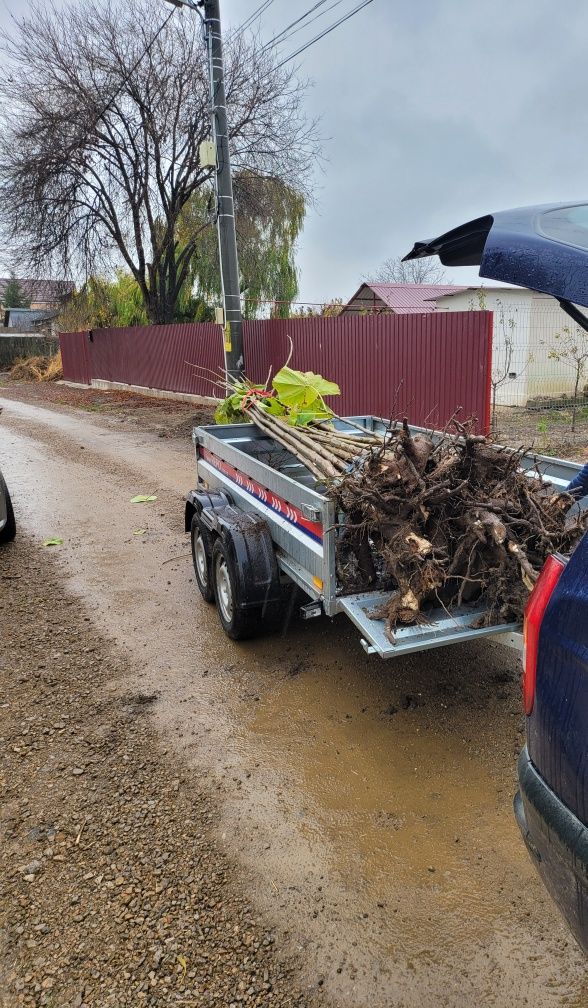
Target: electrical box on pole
(227,239)
(207,154)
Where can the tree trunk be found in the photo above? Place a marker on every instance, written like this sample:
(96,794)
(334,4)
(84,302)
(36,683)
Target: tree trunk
(575,406)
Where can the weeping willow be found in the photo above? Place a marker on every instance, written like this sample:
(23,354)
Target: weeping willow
(269,216)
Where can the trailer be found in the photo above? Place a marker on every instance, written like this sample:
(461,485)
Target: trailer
(258,518)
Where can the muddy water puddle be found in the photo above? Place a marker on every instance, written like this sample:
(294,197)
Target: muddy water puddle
(406,771)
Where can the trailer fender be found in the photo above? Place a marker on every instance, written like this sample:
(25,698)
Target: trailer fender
(247,540)
(201,502)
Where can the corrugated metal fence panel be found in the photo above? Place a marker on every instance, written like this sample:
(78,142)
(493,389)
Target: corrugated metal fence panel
(421,366)
(158,356)
(75,357)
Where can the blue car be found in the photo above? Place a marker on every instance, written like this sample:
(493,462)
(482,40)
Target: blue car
(545,248)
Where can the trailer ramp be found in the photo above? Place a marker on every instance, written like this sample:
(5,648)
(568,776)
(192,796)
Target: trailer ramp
(439,630)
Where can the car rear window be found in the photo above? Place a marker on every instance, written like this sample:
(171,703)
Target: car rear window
(568,225)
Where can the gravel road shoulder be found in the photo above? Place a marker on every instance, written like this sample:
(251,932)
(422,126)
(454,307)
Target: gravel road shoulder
(114,890)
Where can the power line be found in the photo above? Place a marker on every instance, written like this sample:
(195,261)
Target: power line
(297,21)
(278,38)
(253,17)
(322,34)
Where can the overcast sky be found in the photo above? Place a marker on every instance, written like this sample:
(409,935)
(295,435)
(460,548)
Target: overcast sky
(432,112)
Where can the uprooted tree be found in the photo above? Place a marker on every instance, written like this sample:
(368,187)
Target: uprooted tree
(438,520)
(103,108)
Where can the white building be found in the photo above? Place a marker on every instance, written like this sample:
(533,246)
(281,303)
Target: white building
(526,328)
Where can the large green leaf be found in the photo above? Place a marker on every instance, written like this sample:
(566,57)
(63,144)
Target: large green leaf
(273,406)
(306,415)
(297,389)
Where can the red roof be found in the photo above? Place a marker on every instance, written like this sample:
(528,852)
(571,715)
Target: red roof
(403,298)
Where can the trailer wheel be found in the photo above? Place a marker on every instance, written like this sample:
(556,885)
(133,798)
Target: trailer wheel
(202,558)
(237,623)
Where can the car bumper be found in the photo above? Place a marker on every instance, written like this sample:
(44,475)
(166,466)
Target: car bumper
(558,844)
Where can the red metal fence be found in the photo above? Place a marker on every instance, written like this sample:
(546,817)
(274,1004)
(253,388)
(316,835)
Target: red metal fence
(421,366)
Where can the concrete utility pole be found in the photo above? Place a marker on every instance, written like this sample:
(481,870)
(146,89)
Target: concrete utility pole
(227,237)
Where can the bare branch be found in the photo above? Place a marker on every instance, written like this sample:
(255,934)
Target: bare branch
(100,131)
(415,271)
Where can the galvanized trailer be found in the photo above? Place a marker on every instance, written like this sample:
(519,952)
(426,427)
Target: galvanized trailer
(258,517)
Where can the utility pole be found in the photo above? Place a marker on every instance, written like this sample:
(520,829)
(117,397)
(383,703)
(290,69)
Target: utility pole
(227,236)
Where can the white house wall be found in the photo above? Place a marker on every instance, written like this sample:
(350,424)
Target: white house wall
(549,377)
(512,315)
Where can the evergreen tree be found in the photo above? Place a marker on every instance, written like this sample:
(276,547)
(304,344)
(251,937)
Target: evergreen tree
(14,295)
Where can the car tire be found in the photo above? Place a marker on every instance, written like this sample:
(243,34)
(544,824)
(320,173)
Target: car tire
(238,624)
(202,558)
(7,533)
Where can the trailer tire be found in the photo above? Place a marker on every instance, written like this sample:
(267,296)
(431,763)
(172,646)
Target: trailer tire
(238,624)
(201,540)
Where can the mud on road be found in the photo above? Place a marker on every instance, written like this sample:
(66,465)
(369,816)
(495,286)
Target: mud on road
(363,808)
(114,891)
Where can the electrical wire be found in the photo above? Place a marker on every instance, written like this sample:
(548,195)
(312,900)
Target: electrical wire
(253,17)
(278,40)
(320,3)
(322,34)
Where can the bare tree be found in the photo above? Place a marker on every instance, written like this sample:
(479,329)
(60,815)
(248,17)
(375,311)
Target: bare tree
(503,350)
(571,349)
(502,361)
(103,108)
(416,271)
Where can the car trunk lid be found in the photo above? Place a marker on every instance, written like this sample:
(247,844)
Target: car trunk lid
(542,247)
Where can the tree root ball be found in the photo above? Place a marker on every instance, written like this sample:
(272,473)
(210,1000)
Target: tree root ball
(448,520)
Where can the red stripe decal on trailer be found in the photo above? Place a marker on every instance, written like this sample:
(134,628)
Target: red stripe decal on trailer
(288,511)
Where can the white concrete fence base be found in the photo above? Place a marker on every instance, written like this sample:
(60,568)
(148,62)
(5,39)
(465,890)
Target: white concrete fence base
(109,386)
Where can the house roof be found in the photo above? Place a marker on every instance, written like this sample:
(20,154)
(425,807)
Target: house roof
(415,299)
(404,298)
(44,291)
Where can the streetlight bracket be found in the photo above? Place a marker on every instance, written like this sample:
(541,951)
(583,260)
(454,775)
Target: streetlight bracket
(195,6)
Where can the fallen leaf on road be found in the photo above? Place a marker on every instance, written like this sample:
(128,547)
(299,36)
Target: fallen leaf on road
(143,498)
(183,963)
(139,532)
(53,542)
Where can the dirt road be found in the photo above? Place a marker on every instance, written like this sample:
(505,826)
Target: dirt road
(362,808)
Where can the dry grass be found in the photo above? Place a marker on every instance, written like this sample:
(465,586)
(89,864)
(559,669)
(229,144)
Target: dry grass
(38,369)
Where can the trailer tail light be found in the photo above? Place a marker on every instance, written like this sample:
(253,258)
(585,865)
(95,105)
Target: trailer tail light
(534,612)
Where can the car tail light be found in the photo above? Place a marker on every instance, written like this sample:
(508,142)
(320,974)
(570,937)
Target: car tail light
(534,612)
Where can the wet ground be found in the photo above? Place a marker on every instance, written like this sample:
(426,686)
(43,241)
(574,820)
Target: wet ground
(548,431)
(367,803)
